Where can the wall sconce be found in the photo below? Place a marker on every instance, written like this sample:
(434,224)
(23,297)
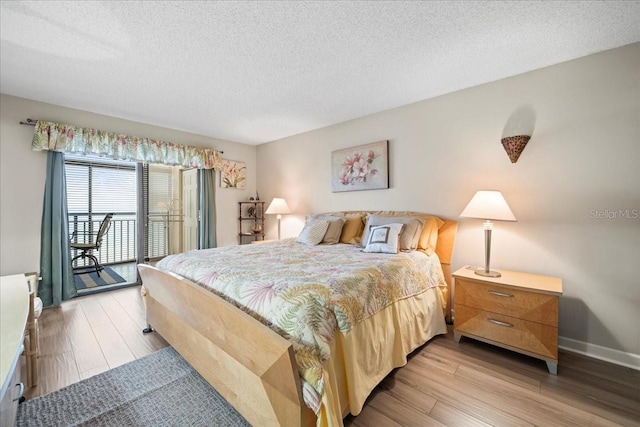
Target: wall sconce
(514,145)
(517,131)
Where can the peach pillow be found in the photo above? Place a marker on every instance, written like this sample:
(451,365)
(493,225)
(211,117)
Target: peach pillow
(429,237)
(352,229)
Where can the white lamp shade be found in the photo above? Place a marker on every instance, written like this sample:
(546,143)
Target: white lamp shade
(278,206)
(488,204)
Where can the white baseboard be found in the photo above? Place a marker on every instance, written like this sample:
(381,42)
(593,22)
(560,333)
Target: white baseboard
(618,357)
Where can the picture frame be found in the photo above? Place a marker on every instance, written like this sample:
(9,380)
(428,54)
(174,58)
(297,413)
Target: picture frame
(363,167)
(233,175)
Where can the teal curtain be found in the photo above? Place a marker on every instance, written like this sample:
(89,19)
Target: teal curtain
(57,282)
(207,230)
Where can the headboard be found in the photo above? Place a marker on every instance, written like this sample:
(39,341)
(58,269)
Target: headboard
(444,246)
(444,250)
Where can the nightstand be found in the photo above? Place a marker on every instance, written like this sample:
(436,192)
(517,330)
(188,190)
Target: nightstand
(518,311)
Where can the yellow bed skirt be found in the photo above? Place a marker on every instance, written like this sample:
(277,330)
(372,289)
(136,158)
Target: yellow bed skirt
(373,348)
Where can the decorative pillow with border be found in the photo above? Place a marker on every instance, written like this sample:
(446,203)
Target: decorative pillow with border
(384,238)
(334,231)
(410,235)
(313,231)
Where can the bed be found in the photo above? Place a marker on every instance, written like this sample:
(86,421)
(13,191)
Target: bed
(301,334)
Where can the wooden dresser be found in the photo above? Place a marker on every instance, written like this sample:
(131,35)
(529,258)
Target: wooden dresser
(518,311)
(14,309)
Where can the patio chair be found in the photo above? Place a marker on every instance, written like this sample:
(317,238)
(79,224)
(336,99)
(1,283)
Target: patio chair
(89,245)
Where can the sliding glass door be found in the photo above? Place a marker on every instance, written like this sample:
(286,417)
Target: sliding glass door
(163,208)
(148,203)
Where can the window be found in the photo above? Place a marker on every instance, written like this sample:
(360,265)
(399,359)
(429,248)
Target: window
(96,187)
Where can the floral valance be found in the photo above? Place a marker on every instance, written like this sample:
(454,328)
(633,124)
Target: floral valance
(72,139)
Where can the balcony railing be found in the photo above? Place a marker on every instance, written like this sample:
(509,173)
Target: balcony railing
(119,243)
(161,233)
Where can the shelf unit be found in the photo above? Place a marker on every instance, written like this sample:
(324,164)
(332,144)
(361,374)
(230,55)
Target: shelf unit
(248,223)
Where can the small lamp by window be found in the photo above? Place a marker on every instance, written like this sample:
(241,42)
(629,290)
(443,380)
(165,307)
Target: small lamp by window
(278,206)
(488,205)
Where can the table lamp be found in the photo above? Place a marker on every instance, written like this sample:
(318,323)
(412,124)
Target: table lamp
(488,205)
(278,206)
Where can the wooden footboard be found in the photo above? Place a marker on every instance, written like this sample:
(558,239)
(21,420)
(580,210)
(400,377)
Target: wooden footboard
(251,366)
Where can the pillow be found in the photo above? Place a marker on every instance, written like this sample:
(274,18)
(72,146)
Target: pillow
(429,236)
(384,238)
(313,231)
(352,229)
(334,231)
(409,237)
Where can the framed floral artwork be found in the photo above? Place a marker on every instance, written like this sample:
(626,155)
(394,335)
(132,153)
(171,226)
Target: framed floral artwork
(233,175)
(365,167)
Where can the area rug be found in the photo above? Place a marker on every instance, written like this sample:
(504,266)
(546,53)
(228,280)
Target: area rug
(161,389)
(92,280)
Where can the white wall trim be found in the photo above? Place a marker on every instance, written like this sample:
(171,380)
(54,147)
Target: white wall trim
(618,357)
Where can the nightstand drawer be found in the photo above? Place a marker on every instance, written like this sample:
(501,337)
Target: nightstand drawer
(525,305)
(509,331)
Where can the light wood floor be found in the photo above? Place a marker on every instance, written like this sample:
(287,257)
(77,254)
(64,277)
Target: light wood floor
(444,383)
(91,334)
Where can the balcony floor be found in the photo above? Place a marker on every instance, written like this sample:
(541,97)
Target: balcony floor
(128,270)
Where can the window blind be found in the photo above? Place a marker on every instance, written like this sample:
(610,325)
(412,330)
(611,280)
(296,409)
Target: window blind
(159,208)
(96,187)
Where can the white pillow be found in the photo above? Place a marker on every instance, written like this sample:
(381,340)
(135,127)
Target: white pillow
(384,238)
(410,235)
(313,231)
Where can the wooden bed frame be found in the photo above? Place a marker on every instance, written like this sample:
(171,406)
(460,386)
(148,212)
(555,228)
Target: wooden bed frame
(250,365)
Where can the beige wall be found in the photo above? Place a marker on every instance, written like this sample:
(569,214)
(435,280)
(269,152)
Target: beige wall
(22,175)
(583,157)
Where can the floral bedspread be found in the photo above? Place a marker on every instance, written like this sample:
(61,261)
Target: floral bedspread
(307,293)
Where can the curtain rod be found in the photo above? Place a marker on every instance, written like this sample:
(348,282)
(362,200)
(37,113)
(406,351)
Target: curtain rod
(31,122)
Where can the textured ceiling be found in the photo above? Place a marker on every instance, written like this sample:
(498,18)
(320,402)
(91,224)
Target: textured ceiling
(254,72)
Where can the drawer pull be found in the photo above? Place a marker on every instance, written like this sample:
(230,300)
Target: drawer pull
(501,294)
(499,323)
